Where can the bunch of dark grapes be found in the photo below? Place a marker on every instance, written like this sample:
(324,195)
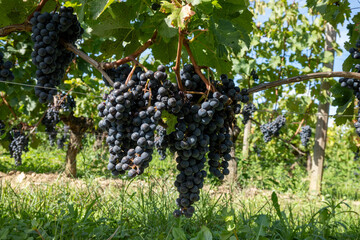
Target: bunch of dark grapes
(272,129)
(247,111)
(203,129)
(132,112)
(161,141)
(50,57)
(65,136)
(66,102)
(305,135)
(5,72)
(354,84)
(355,53)
(155,6)
(2,128)
(18,145)
(50,120)
(131,119)
(118,74)
(351,83)
(254,75)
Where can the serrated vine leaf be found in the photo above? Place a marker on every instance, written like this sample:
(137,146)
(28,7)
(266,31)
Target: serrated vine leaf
(178,15)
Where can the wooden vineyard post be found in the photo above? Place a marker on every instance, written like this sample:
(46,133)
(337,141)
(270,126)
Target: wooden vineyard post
(316,170)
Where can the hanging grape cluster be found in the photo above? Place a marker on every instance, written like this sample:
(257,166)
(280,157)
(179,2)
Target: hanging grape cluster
(2,128)
(247,111)
(354,84)
(131,119)
(18,145)
(66,102)
(355,52)
(305,135)
(50,120)
(272,129)
(132,116)
(49,55)
(5,72)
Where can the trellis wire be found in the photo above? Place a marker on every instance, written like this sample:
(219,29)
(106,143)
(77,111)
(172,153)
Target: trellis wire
(299,113)
(31,85)
(259,110)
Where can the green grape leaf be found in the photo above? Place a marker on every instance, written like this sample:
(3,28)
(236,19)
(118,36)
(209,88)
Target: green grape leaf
(197,2)
(165,51)
(109,23)
(170,121)
(349,111)
(97,7)
(333,13)
(167,32)
(34,141)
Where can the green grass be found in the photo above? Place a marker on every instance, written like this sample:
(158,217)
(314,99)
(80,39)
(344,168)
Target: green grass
(143,210)
(98,206)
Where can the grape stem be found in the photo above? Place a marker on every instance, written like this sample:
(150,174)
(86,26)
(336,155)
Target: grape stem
(130,74)
(133,56)
(253,120)
(8,105)
(4,31)
(38,123)
(177,64)
(138,63)
(210,72)
(193,92)
(292,146)
(63,98)
(37,9)
(88,59)
(264,86)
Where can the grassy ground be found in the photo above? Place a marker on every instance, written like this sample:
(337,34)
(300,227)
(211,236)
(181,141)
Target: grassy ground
(37,205)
